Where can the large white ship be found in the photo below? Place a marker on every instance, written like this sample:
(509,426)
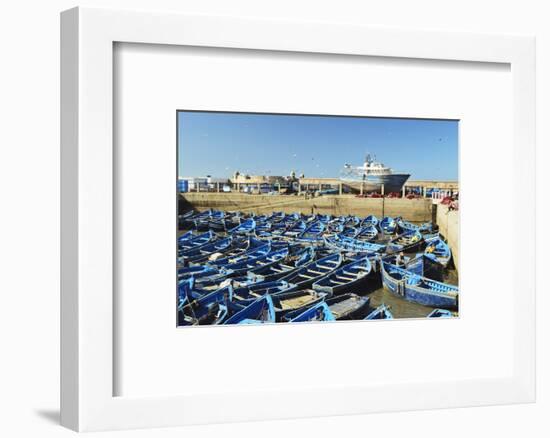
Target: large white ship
(374,174)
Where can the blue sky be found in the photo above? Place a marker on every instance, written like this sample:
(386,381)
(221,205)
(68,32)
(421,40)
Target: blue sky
(218,144)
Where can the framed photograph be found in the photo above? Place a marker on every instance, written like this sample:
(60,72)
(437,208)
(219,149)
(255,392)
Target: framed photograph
(273,219)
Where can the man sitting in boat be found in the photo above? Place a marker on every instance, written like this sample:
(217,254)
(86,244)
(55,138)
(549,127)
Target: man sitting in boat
(400,259)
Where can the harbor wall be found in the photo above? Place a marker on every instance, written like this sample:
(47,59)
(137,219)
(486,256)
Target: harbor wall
(448,222)
(416,210)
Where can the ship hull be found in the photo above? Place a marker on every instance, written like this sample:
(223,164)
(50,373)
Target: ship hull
(373,183)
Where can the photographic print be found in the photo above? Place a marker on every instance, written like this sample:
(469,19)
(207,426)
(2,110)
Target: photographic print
(288,218)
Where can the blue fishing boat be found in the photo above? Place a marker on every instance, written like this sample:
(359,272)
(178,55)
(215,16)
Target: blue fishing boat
(313,232)
(263,229)
(294,230)
(342,307)
(318,312)
(207,309)
(381,312)
(439,251)
(352,221)
(351,277)
(348,306)
(344,243)
(196,272)
(367,233)
(349,232)
(325,218)
(388,225)
(276,216)
(195,242)
(260,311)
(370,221)
(305,276)
(254,291)
(406,226)
(429,237)
(221,224)
(245,227)
(185,236)
(295,301)
(425,266)
(188,219)
(199,216)
(283,267)
(440,313)
(255,260)
(204,251)
(183,219)
(409,241)
(419,289)
(242,254)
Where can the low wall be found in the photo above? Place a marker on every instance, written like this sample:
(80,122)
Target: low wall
(448,222)
(416,210)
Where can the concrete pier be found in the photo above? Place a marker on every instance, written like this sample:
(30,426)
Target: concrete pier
(448,222)
(415,210)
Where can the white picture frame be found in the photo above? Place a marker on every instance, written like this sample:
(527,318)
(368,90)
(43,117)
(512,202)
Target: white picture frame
(87,347)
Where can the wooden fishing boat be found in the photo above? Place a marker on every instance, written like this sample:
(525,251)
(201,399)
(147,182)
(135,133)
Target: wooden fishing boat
(429,237)
(214,217)
(204,251)
(254,291)
(185,236)
(367,233)
(388,225)
(425,266)
(349,232)
(440,313)
(283,267)
(294,230)
(222,224)
(245,227)
(325,218)
(318,312)
(188,220)
(182,219)
(344,243)
(406,226)
(351,277)
(207,309)
(439,251)
(335,227)
(348,306)
(409,241)
(305,276)
(263,229)
(260,311)
(352,221)
(313,232)
(342,307)
(419,289)
(196,272)
(242,254)
(370,221)
(255,260)
(276,216)
(381,312)
(239,245)
(195,242)
(295,301)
